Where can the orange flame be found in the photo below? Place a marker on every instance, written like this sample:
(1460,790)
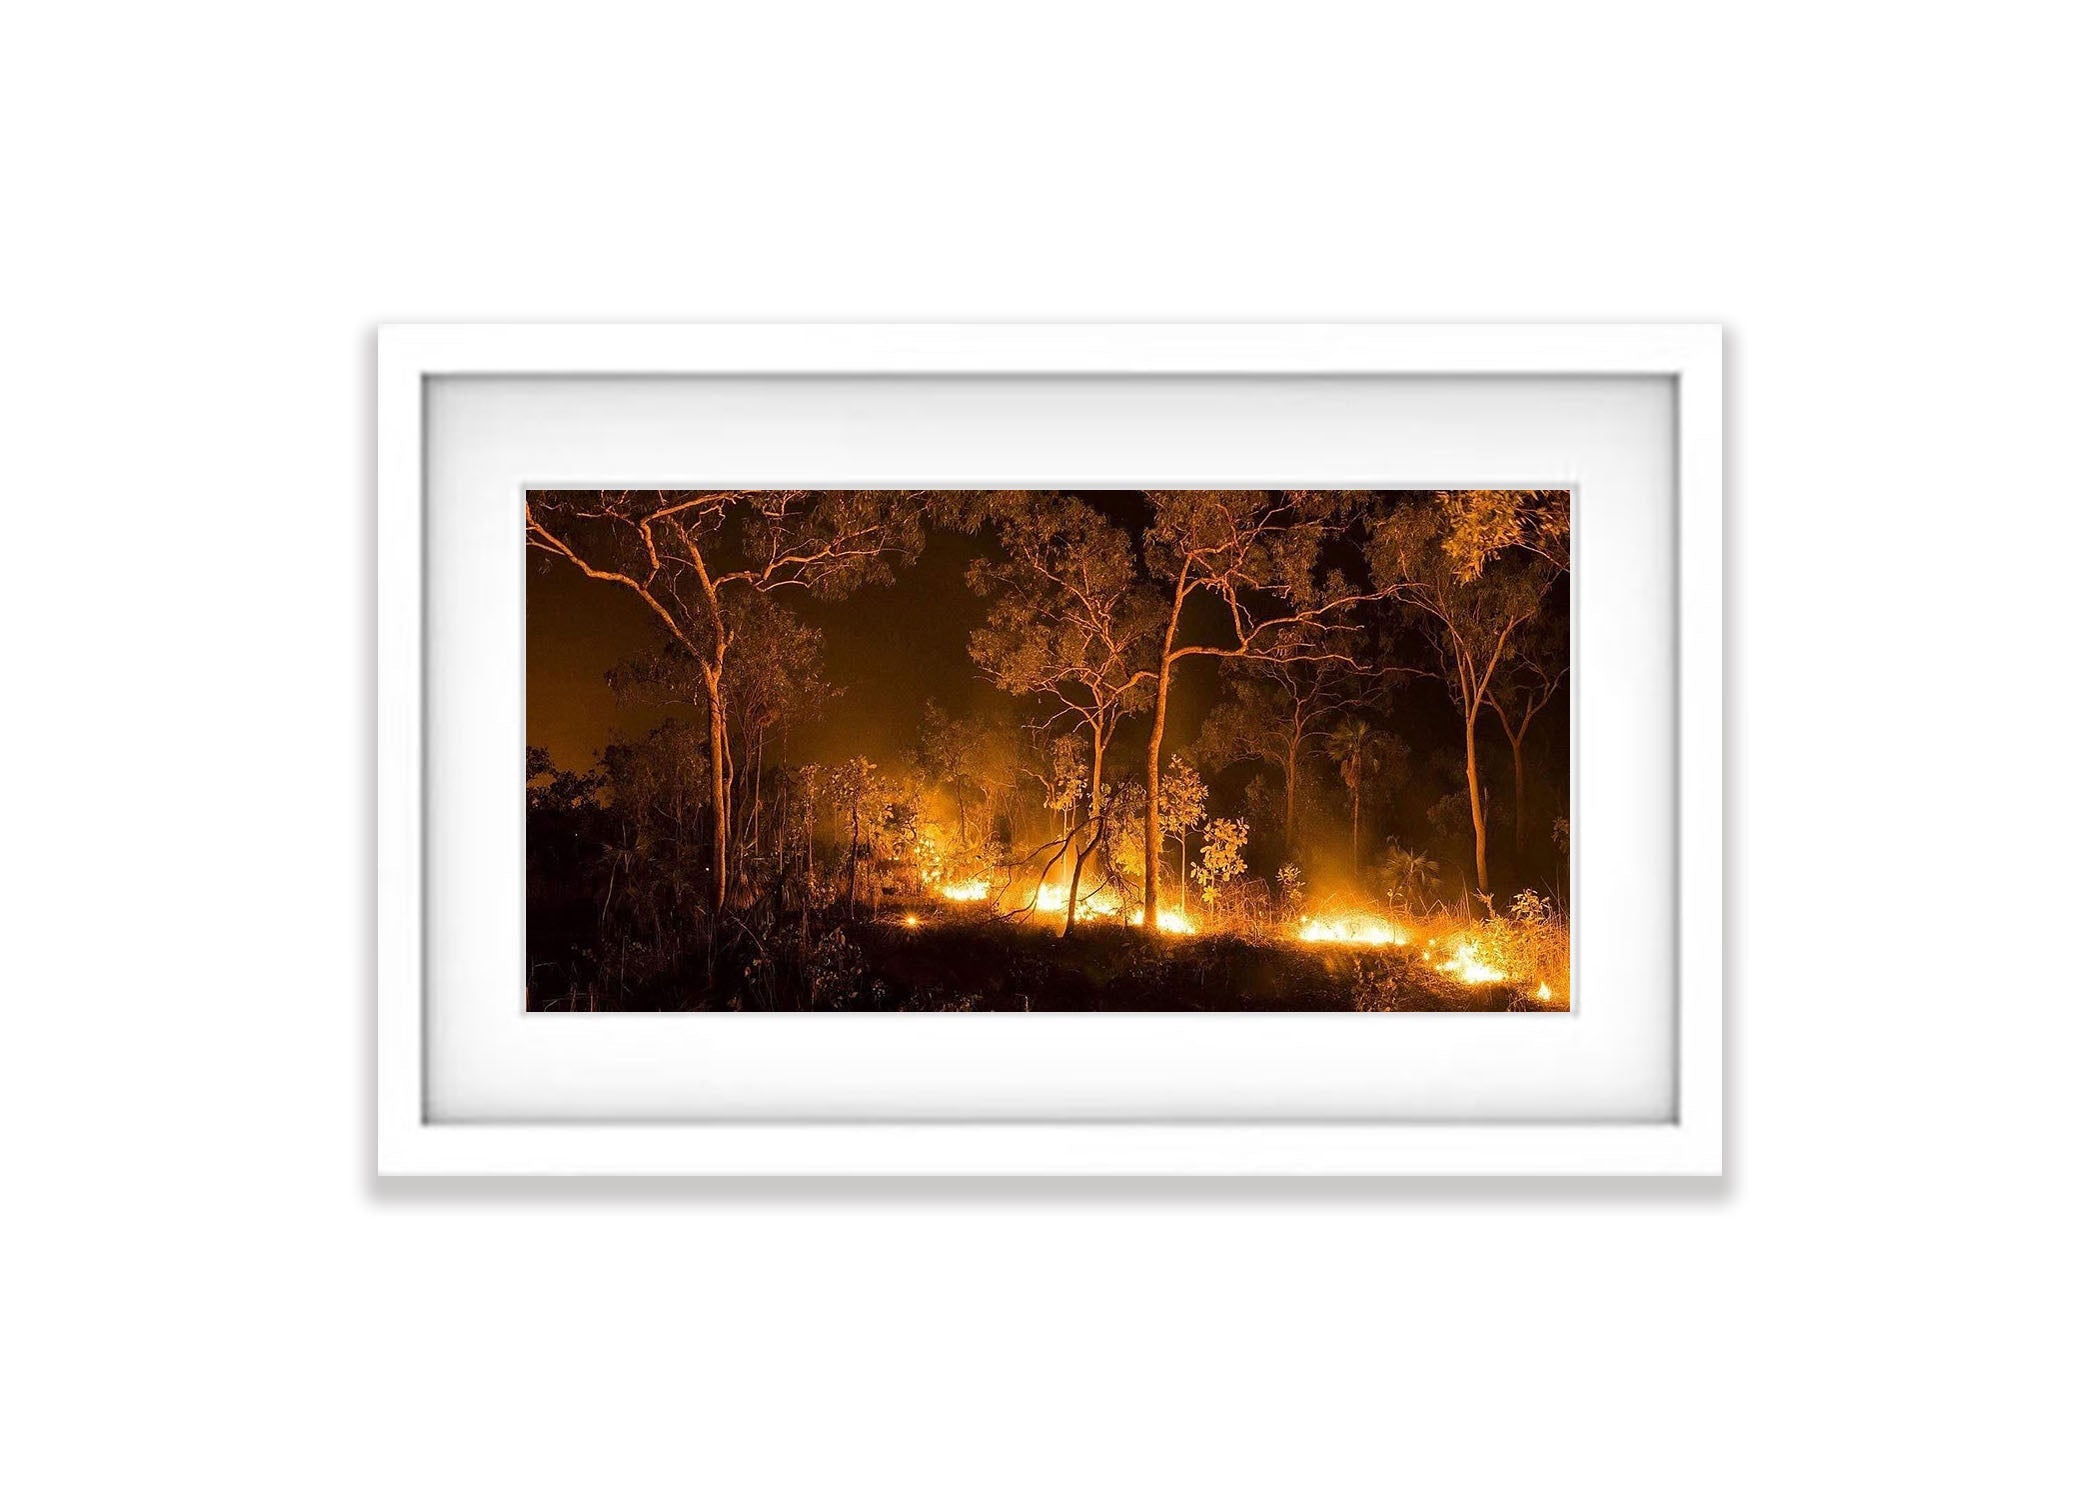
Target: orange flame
(1360,931)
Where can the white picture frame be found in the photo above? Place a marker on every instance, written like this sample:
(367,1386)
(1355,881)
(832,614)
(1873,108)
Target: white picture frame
(1687,1141)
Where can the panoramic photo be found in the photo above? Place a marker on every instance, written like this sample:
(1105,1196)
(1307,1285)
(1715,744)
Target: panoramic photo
(1166,750)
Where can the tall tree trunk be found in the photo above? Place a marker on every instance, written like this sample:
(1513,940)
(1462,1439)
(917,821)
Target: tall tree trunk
(718,767)
(1516,751)
(1356,817)
(1480,828)
(1159,735)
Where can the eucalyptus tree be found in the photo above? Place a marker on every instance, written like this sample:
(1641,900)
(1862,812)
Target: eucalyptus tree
(689,556)
(1276,710)
(1535,665)
(1182,796)
(1473,566)
(1071,625)
(1256,556)
(773,681)
(948,754)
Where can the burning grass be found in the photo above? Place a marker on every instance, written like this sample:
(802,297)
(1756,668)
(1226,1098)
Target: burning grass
(975,955)
(956,961)
(1527,947)
(1354,931)
(1049,899)
(1518,959)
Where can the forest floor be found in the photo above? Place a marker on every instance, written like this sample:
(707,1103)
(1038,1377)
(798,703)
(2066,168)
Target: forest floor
(939,960)
(944,957)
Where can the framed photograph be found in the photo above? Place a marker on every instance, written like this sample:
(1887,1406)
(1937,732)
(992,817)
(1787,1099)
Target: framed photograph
(1085,750)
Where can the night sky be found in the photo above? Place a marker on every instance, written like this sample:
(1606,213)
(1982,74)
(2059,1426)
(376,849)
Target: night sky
(893,648)
(890,649)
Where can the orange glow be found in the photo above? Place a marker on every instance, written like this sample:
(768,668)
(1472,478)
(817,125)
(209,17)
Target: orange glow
(1050,899)
(968,890)
(1466,966)
(1359,931)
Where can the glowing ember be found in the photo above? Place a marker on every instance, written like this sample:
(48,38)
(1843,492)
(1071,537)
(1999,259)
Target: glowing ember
(911,921)
(1370,932)
(1050,901)
(1544,991)
(968,890)
(1465,964)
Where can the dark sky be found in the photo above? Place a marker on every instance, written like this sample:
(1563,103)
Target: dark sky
(890,649)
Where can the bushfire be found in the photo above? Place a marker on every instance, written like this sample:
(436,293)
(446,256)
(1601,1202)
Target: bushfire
(1362,931)
(1051,897)
(1465,964)
(1445,951)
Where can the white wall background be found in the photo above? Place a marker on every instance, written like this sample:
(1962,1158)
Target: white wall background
(207,209)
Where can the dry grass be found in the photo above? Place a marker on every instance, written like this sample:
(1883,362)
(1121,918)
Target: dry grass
(1528,946)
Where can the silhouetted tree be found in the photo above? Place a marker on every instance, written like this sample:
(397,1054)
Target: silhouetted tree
(1535,664)
(1182,795)
(1407,875)
(1071,623)
(1274,710)
(690,555)
(1257,555)
(1474,565)
(773,681)
(1359,752)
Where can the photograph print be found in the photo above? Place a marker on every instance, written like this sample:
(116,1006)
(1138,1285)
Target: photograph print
(1165,750)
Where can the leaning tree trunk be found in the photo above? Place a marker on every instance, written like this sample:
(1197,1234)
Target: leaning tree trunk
(1072,890)
(1093,807)
(1159,735)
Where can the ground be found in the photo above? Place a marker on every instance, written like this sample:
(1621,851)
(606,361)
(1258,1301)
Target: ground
(973,964)
(941,957)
